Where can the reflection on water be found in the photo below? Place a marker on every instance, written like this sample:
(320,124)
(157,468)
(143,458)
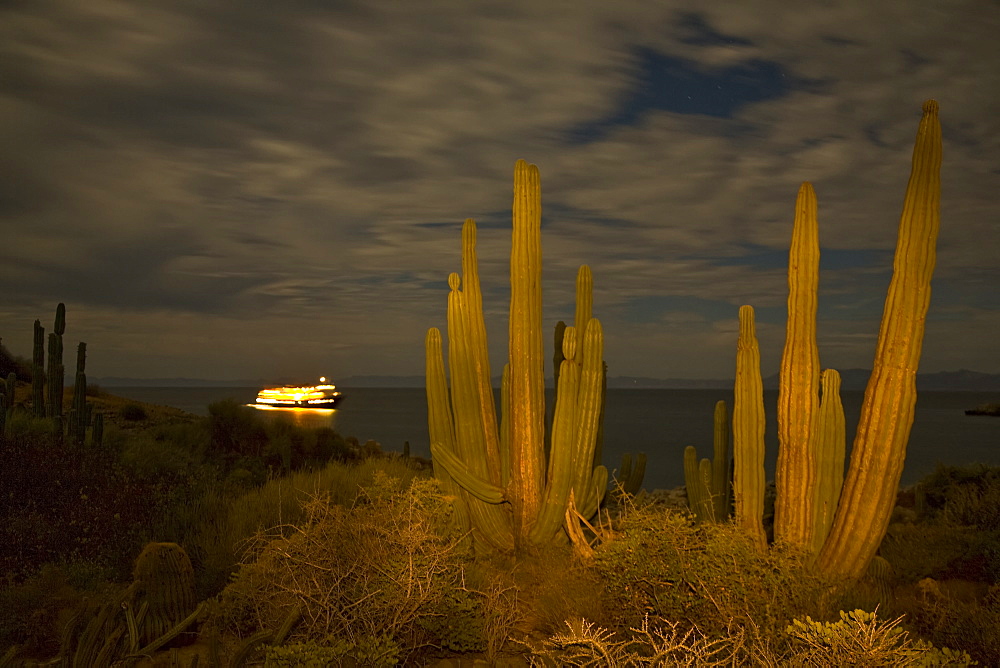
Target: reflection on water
(311,418)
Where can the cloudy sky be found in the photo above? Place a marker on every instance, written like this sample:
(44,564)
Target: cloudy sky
(252,190)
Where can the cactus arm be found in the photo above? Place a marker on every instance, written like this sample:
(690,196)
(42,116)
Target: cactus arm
(479,359)
(887,410)
(595,492)
(798,393)
(461,474)
(559,480)
(527,388)
(830,449)
(574,431)
(748,432)
(440,425)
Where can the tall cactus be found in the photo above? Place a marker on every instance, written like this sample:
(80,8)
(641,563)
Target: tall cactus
(38,372)
(887,411)
(512,494)
(56,373)
(798,393)
(808,477)
(748,432)
(80,413)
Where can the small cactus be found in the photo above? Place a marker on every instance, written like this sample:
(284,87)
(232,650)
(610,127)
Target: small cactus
(164,581)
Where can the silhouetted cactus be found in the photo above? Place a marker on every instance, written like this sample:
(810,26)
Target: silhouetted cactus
(38,372)
(56,375)
(80,412)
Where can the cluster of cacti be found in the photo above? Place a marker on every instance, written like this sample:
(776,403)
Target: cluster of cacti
(706,482)
(511,494)
(47,386)
(810,427)
(164,585)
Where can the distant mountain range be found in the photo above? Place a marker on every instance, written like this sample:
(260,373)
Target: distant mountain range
(962,380)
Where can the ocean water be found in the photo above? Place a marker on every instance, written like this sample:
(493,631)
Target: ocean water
(659,422)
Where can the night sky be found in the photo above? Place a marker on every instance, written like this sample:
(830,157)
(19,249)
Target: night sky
(265,190)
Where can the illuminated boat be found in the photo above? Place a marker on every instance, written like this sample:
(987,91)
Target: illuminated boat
(324,395)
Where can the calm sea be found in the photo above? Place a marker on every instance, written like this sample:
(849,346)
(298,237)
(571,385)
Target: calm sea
(660,423)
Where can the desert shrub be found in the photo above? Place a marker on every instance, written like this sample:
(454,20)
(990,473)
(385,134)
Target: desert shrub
(369,570)
(133,412)
(63,503)
(947,620)
(860,639)
(918,551)
(236,429)
(711,575)
(964,496)
(376,652)
(148,456)
(653,643)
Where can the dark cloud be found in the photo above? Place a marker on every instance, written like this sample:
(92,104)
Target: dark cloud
(198,173)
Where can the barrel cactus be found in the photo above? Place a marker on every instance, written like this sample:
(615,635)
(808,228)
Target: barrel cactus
(163,580)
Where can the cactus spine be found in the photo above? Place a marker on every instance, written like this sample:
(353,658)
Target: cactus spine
(887,411)
(513,494)
(748,432)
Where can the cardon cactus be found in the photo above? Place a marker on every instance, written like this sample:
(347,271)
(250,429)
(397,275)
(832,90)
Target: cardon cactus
(56,373)
(512,494)
(879,449)
(809,431)
(38,372)
(163,580)
(80,412)
(798,391)
(749,481)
